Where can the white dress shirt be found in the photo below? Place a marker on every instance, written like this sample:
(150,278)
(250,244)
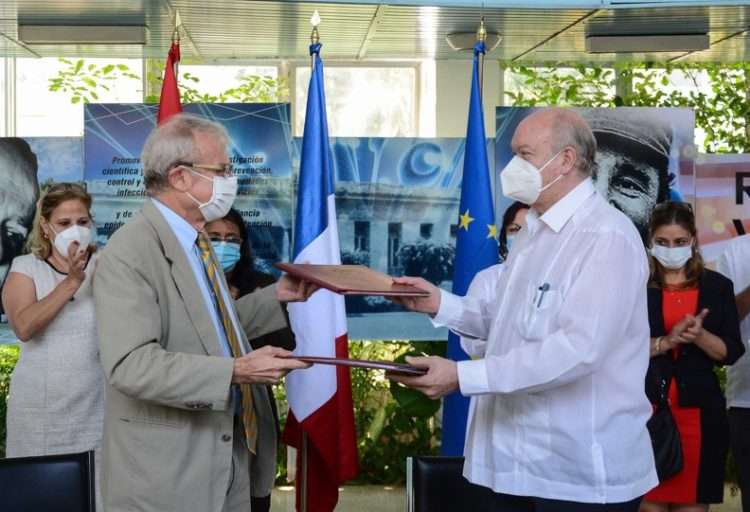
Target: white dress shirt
(483,288)
(187,236)
(558,405)
(735,264)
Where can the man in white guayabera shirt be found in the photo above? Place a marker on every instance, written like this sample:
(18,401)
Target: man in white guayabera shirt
(558,411)
(735,264)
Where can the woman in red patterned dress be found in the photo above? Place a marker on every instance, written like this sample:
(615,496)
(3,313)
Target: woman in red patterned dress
(694,328)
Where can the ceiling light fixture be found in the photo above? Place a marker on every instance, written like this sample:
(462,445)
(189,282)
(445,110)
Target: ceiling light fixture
(639,43)
(83,34)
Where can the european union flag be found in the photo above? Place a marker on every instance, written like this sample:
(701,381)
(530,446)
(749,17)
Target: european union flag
(476,247)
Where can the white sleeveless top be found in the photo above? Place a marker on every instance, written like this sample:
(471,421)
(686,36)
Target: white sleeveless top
(56,402)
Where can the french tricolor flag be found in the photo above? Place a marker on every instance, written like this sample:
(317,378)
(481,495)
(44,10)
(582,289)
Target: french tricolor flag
(320,398)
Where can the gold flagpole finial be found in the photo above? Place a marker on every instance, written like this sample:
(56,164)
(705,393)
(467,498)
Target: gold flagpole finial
(176,30)
(315,21)
(481,31)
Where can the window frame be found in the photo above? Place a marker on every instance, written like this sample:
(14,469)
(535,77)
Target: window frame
(414,64)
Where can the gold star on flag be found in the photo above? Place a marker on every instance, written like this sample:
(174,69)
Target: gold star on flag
(465,220)
(492,231)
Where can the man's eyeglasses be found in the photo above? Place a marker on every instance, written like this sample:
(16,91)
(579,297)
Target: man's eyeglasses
(225,170)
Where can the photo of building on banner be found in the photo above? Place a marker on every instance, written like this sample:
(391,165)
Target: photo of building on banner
(644,155)
(260,152)
(397,203)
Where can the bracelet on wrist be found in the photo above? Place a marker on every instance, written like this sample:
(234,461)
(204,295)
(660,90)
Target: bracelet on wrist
(657,345)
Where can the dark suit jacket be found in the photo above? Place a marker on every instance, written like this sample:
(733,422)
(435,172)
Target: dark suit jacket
(283,338)
(693,370)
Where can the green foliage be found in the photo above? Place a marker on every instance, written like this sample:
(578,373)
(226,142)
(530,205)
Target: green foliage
(392,422)
(83,83)
(251,89)
(718,94)
(257,89)
(575,85)
(8,359)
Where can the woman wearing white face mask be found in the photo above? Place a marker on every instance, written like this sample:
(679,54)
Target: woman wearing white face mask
(57,388)
(694,327)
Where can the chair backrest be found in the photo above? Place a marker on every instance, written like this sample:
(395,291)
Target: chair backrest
(436,484)
(52,483)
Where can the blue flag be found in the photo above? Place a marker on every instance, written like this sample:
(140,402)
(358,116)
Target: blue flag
(476,247)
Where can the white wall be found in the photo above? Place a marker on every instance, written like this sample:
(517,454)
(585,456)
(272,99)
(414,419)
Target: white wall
(453,84)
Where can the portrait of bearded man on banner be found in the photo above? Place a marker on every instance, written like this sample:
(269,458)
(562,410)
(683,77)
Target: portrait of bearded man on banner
(19,191)
(633,159)
(640,151)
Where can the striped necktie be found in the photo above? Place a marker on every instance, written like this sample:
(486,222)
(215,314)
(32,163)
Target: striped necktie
(249,419)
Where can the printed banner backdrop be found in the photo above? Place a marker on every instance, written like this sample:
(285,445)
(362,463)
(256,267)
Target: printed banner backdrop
(26,165)
(644,156)
(397,199)
(397,205)
(722,201)
(260,149)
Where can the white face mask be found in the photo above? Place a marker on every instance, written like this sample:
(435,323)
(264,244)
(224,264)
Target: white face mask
(222,197)
(672,258)
(522,181)
(64,238)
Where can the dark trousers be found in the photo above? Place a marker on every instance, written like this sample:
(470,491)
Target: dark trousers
(260,504)
(739,435)
(507,503)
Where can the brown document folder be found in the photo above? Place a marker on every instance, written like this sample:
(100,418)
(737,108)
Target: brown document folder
(351,280)
(390,367)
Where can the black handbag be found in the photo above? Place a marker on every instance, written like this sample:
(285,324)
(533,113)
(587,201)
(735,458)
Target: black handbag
(665,438)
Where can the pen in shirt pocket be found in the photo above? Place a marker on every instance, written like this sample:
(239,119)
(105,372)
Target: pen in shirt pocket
(542,290)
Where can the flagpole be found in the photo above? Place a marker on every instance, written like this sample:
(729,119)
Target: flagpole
(481,38)
(314,39)
(303,481)
(176,38)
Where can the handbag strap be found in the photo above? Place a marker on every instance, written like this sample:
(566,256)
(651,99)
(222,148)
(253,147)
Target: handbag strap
(662,383)
(663,391)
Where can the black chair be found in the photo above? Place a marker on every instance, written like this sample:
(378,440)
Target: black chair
(50,483)
(436,484)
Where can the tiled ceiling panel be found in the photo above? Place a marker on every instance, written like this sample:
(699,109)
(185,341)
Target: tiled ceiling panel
(254,30)
(421,31)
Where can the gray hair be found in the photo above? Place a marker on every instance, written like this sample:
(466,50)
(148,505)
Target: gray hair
(173,142)
(572,130)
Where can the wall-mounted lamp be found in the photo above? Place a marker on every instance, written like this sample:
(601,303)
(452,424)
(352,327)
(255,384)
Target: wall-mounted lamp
(83,34)
(467,40)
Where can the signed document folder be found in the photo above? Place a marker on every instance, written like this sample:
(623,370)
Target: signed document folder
(398,368)
(351,280)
